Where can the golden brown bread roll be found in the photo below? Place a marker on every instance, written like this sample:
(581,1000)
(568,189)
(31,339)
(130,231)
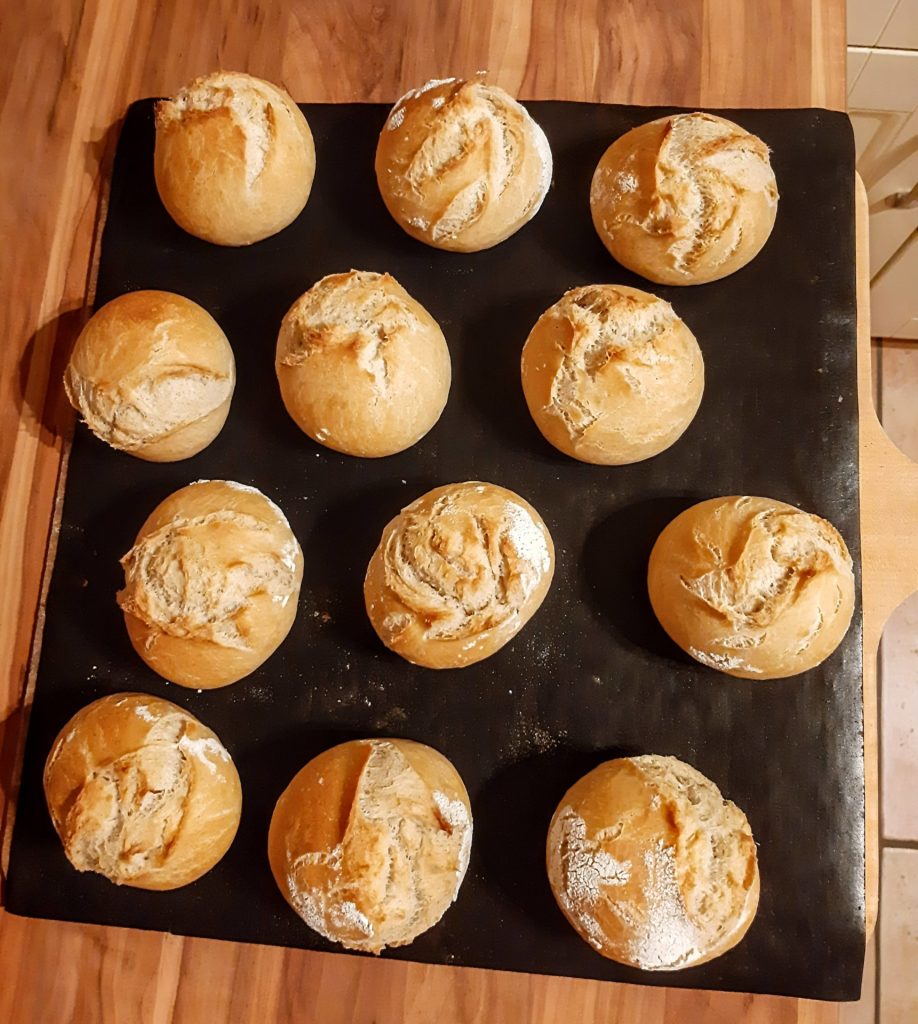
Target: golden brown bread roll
(363,368)
(211,584)
(370,842)
(234,158)
(752,587)
(461,165)
(152,374)
(611,375)
(141,792)
(685,199)
(651,866)
(457,574)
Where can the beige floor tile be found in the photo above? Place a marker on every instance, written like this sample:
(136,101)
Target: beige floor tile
(899,723)
(899,938)
(900,395)
(864,1011)
(899,677)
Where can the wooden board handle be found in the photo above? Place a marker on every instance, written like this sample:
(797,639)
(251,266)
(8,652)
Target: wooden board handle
(889,544)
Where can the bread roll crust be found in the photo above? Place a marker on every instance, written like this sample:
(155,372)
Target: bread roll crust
(651,866)
(234,158)
(363,368)
(458,573)
(611,375)
(370,842)
(752,587)
(461,165)
(152,374)
(211,584)
(141,792)
(685,199)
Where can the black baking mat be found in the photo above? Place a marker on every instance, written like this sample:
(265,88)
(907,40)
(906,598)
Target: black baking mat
(592,676)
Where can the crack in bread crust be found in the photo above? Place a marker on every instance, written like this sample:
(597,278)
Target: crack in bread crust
(194,578)
(129,812)
(357,311)
(606,328)
(472,143)
(251,104)
(398,866)
(772,560)
(703,169)
(460,572)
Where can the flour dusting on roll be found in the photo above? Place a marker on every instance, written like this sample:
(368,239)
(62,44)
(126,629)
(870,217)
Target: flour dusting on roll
(685,199)
(457,574)
(370,842)
(461,165)
(651,866)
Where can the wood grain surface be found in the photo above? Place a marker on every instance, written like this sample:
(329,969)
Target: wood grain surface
(68,70)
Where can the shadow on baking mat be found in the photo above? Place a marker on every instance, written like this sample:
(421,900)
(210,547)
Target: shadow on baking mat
(592,674)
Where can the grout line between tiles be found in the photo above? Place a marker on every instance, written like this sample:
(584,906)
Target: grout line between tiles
(900,844)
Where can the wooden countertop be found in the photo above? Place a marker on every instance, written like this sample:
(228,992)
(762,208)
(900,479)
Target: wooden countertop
(68,70)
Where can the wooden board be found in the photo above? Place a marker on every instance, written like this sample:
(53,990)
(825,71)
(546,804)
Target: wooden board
(68,69)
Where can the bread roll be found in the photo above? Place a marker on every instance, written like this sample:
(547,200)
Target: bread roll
(141,792)
(685,199)
(152,374)
(211,584)
(461,165)
(234,158)
(651,866)
(611,375)
(370,842)
(457,574)
(363,368)
(752,587)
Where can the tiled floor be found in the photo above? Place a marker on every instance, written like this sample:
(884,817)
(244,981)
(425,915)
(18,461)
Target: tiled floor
(890,992)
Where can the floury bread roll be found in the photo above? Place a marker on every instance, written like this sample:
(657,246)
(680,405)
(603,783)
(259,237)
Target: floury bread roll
(457,574)
(153,375)
(651,866)
(234,158)
(363,368)
(370,842)
(211,584)
(611,375)
(685,199)
(141,792)
(461,165)
(752,587)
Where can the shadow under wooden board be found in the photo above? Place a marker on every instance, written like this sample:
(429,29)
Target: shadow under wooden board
(592,676)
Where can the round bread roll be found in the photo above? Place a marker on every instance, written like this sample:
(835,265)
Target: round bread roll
(141,792)
(461,165)
(234,158)
(611,375)
(370,842)
(211,584)
(457,574)
(752,587)
(363,368)
(651,866)
(685,199)
(152,374)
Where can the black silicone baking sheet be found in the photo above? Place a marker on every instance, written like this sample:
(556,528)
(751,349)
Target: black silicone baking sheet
(592,676)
